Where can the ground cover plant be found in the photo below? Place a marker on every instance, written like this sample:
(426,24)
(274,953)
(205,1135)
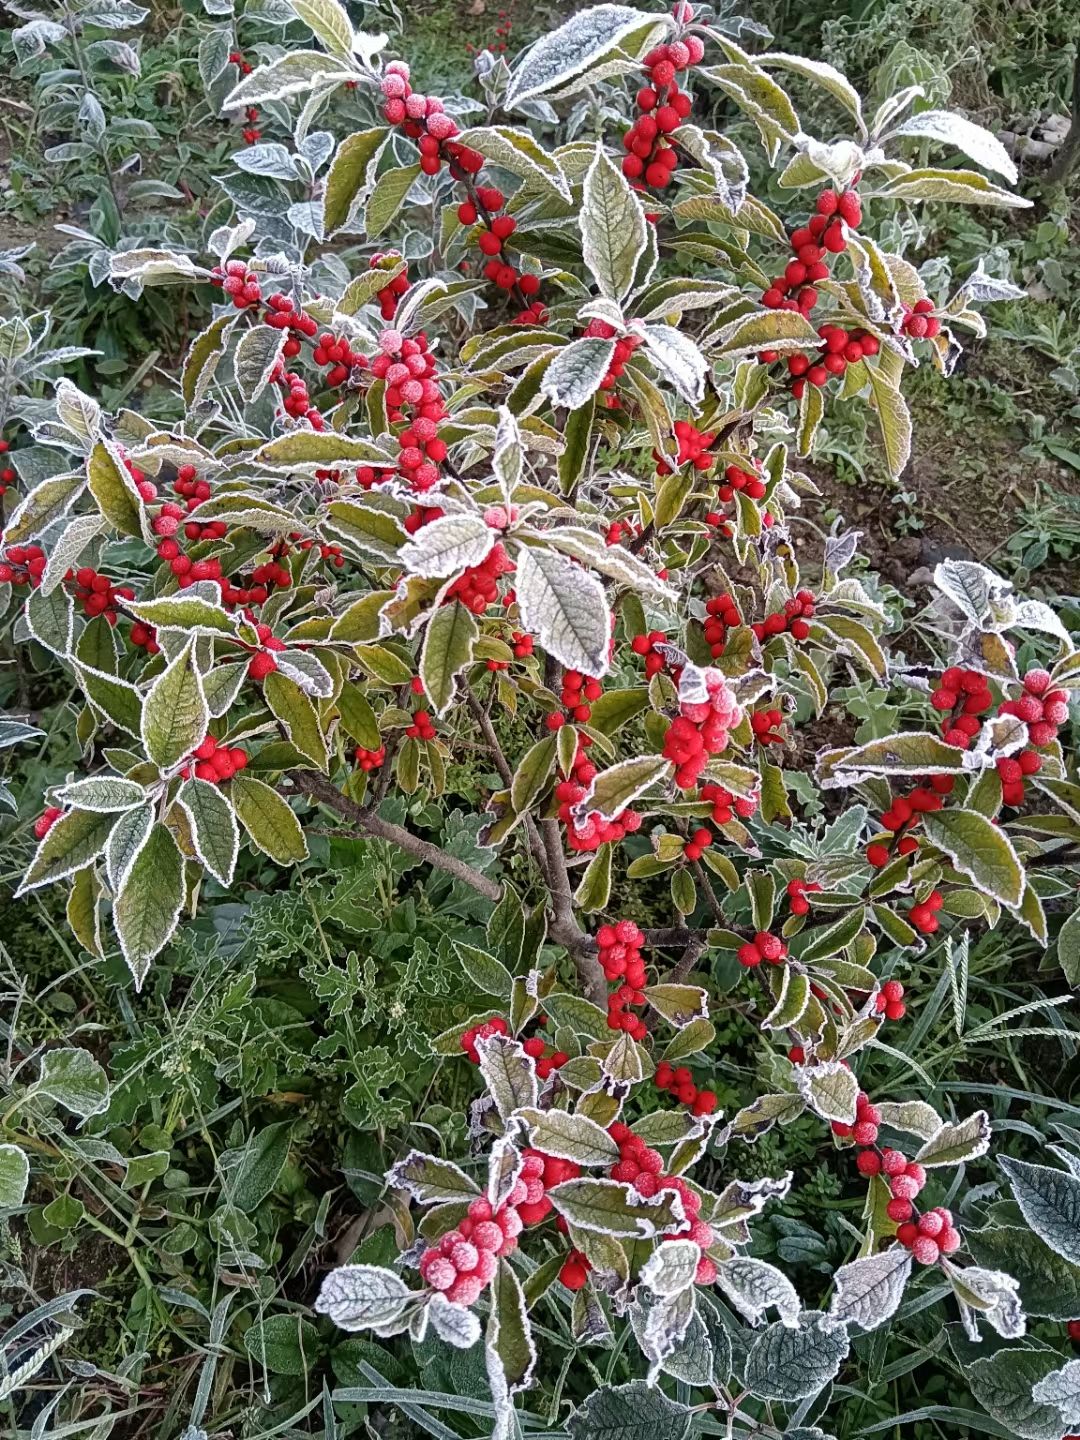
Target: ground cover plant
(447,767)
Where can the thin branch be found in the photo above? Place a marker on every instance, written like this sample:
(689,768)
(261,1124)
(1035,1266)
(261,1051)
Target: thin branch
(309,782)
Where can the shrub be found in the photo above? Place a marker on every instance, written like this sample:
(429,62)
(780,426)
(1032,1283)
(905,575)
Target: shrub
(550,487)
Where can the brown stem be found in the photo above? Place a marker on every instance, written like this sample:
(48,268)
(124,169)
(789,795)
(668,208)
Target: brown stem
(695,948)
(564,928)
(308,782)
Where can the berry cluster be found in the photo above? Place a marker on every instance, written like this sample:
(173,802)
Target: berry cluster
(724,803)
(422,727)
(547,1059)
(495,229)
(465,1260)
(721,615)
(541,1173)
(738,478)
(214,762)
(97,594)
(698,843)
(625,346)
(822,234)
(794,617)
(250,131)
(591,833)
(646,645)
(237,280)
(412,396)
(7,474)
(1042,709)
(369,760)
(920,322)
(763,947)
(901,818)
(765,726)
(679,1083)
(620,958)
(22,565)
(578,691)
(46,820)
(889,1000)
(478,587)
(701,729)
(144,637)
(962,696)
(392,291)
(662,108)
(521,644)
(840,348)
(575,1270)
(643,1168)
(424,119)
(693,449)
(923,914)
(263,663)
(797,891)
(495,1026)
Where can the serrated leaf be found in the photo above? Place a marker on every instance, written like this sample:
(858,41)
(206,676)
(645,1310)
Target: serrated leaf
(575,46)
(257,353)
(346,179)
(791,1363)
(954,1144)
(830,1089)
(755,1286)
(569,1136)
(613,227)
(1050,1202)
(297,714)
(449,639)
(360,1297)
(611,1208)
(431,1181)
(146,911)
(74,1079)
(175,713)
(390,192)
(75,840)
(868,1291)
(213,827)
(576,371)
(270,823)
(614,789)
(1003,1383)
(565,608)
(980,850)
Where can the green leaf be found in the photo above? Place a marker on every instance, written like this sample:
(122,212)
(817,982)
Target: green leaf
(146,911)
(347,176)
(575,373)
(113,489)
(387,198)
(175,713)
(629,1412)
(357,717)
(258,352)
(894,419)
(509,1334)
(297,714)
(213,827)
(1003,1383)
(74,1079)
(105,793)
(788,1364)
(594,889)
(569,1136)
(14,1177)
(1050,1202)
(613,227)
(532,774)
(565,608)
(283,1344)
(449,638)
(610,1208)
(620,785)
(270,823)
(115,699)
(259,1165)
(328,22)
(487,974)
(979,849)
(517,152)
(73,841)
(954,1144)
(1049,1284)
(964,187)
(1068,948)
(575,48)
(830,1089)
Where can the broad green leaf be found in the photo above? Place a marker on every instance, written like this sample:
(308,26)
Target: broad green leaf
(449,639)
(270,823)
(147,910)
(387,198)
(1050,1202)
(347,177)
(14,1176)
(73,841)
(297,714)
(213,827)
(75,1080)
(175,713)
(613,227)
(979,849)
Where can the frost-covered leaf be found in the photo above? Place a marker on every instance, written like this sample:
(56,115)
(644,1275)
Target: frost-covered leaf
(575,46)
(361,1297)
(611,1208)
(575,373)
(616,788)
(175,714)
(564,607)
(509,1073)
(453,1323)
(677,359)
(980,850)
(448,545)
(613,227)
(213,827)
(569,1136)
(1004,1383)
(14,1176)
(147,909)
(75,1080)
(868,1290)
(430,1180)
(1061,1389)
(829,1088)
(977,143)
(1050,1202)
(753,1286)
(793,1362)
(953,1144)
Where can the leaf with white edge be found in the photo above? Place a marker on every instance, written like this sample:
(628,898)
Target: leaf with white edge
(669,1316)
(270,823)
(780,330)
(431,1181)
(65,550)
(754,1286)
(328,22)
(830,1089)
(192,614)
(565,608)
(894,419)
(680,1005)
(361,1297)
(346,179)
(213,827)
(296,714)
(611,1208)
(913,1117)
(794,1362)
(989,1293)
(454,1324)
(951,129)
(257,354)
(629,1412)
(576,371)
(509,1073)
(569,1136)
(390,193)
(314,450)
(1049,1285)
(1049,1200)
(297,72)
(1005,1383)
(129,835)
(153,267)
(1061,1389)
(113,489)
(613,227)
(46,503)
(175,713)
(677,359)
(517,152)
(827,76)
(671,1267)
(573,48)
(916,753)
(868,1291)
(619,786)
(448,545)
(14,1177)
(102,792)
(963,187)
(614,561)
(980,850)
(973,588)
(509,1334)
(449,640)
(50,619)
(75,840)
(75,1080)
(147,909)
(954,1144)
